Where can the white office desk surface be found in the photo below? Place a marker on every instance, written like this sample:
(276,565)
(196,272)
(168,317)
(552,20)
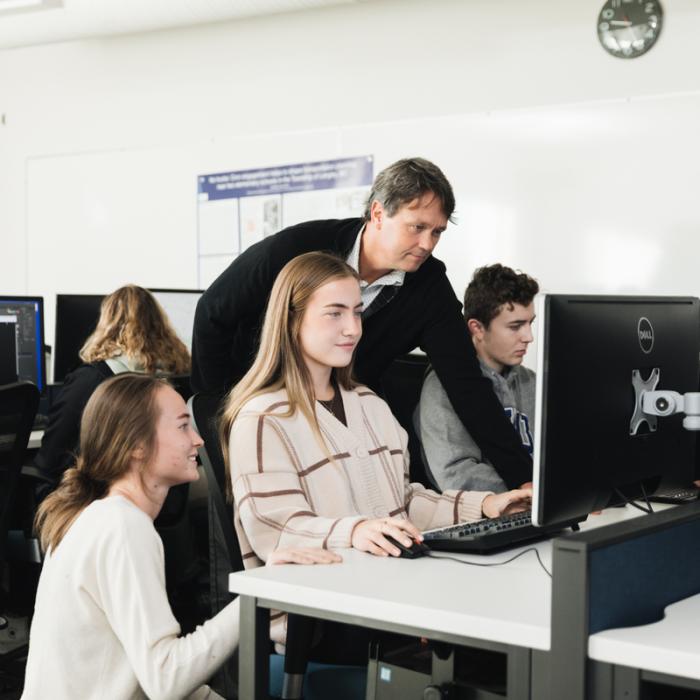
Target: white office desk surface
(670,646)
(510,604)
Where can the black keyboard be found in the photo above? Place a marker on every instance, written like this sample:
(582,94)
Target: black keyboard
(488,535)
(677,495)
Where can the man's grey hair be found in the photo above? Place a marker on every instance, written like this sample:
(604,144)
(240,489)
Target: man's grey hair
(407,180)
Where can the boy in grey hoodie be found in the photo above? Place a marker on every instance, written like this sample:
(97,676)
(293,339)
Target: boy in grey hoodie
(499,312)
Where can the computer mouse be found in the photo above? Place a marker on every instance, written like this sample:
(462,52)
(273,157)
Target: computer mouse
(417,549)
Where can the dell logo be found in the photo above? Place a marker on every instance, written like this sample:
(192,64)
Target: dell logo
(645,333)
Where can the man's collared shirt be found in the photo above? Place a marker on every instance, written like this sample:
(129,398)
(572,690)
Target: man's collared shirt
(370,292)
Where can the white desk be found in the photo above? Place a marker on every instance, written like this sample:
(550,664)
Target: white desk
(442,596)
(507,608)
(670,646)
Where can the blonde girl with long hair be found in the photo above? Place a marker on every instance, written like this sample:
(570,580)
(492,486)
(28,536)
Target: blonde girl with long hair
(133,334)
(102,625)
(313,458)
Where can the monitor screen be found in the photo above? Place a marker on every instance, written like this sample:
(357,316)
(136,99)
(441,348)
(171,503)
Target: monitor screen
(22,340)
(76,318)
(179,305)
(591,350)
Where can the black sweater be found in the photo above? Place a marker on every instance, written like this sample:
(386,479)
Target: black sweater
(60,441)
(424,313)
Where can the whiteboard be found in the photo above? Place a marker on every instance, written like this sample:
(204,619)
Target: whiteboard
(596,197)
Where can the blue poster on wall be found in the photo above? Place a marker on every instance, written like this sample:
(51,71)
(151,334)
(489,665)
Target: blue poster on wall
(238,208)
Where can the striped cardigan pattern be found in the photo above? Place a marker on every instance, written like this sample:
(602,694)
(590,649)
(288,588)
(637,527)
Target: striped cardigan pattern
(289,494)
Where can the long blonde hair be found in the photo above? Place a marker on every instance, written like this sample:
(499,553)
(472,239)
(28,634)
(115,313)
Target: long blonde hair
(279,363)
(133,323)
(120,416)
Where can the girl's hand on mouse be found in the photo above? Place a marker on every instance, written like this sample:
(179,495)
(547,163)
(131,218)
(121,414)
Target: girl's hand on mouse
(370,536)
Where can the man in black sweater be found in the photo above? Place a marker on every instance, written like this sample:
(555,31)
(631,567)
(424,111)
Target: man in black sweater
(408,301)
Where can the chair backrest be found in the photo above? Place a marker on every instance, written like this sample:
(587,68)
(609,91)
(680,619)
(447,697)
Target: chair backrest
(18,405)
(402,384)
(204,409)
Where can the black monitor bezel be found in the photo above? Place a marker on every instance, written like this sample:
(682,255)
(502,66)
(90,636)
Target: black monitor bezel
(57,331)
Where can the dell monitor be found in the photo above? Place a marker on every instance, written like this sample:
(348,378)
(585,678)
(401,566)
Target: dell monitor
(76,318)
(596,355)
(179,305)
(22,340)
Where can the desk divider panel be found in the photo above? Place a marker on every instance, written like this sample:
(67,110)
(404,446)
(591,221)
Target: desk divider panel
(617,576)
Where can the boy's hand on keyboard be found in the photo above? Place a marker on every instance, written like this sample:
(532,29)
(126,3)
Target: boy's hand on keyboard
(369,535)
(506,503)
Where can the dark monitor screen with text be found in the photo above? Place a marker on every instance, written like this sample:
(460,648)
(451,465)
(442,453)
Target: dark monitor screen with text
(22,340)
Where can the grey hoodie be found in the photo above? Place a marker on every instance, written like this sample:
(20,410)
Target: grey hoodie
(452,458)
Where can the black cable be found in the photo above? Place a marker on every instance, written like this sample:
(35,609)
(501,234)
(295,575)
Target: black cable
(495,563)
(646,498)
(648,510)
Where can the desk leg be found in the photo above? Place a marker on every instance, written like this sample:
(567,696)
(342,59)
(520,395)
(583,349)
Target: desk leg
(627,683)
(518,673)
(610,682)
(254,651)
(540,676)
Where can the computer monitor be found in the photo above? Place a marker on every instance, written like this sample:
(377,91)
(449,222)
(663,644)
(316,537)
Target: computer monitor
(22,340)
(587,451)
(179,305)
(76,318)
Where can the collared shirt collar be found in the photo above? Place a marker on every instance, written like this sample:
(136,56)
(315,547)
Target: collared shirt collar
(394,278)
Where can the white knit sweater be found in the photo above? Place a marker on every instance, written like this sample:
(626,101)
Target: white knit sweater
(103,627)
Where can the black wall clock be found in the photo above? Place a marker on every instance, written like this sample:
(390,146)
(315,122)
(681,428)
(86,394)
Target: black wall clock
(629,28)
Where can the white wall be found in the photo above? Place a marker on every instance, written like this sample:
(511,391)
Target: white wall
(578,167)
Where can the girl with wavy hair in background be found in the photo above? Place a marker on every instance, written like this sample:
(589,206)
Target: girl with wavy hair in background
(133,334)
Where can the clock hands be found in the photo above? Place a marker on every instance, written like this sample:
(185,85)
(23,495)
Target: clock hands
(628,28)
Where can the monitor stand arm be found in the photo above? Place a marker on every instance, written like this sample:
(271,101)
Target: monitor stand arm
(642,387)
(666,403)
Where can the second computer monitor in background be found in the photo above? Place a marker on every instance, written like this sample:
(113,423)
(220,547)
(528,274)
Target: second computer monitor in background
(179,305)
(22,340)
(76,318)
(592,352)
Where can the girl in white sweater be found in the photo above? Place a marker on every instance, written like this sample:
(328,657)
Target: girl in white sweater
(102,626)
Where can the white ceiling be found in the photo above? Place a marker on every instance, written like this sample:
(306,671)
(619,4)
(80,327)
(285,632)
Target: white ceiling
(51,21)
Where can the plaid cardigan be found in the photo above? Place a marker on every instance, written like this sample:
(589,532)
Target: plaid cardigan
(289,494)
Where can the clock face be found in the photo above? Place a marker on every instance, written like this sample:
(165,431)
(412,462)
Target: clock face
(629,28)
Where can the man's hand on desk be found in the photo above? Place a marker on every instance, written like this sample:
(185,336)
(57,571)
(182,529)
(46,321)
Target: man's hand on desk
(369,535)
(513,501)
(303,555)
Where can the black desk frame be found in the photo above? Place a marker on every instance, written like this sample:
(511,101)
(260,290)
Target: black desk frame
(527,671)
